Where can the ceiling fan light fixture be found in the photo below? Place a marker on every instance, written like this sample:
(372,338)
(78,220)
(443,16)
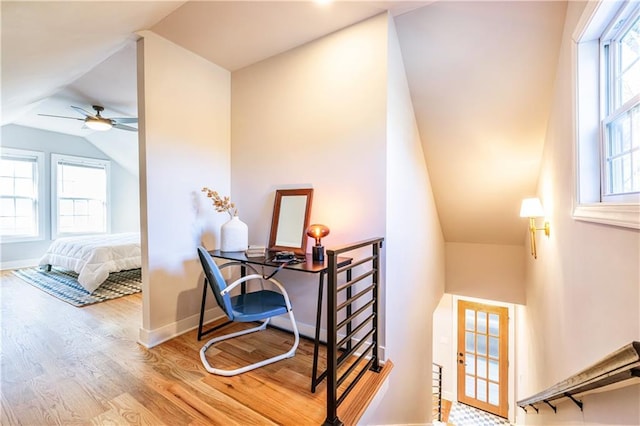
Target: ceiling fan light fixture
(98,124)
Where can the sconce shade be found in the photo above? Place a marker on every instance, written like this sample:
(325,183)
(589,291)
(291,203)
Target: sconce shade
(317,232)
(531,207)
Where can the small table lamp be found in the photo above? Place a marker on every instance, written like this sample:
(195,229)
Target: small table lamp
(317,232)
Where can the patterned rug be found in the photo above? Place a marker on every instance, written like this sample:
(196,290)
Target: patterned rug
(64,285)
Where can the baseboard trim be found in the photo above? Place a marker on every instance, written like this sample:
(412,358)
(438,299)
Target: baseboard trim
(17,264)
(151,338)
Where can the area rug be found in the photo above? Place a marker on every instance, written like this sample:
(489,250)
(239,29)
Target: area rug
(64,285)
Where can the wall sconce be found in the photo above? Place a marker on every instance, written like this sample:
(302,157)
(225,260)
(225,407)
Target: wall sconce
(532,208)
(317,232)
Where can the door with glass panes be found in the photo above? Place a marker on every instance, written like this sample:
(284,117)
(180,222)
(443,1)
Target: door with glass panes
(482,356)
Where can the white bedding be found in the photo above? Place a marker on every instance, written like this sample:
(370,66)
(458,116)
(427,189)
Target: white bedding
(94,257)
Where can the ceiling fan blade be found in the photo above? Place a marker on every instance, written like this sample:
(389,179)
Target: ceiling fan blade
(82,111)
(61,116)
(126,119)
(124,127)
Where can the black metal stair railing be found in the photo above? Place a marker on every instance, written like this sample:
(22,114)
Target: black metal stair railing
(436,388)
(352,343)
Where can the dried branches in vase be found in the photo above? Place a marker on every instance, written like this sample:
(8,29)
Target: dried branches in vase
(221,204)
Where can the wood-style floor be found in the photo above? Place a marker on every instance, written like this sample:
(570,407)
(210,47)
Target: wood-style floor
(66,365)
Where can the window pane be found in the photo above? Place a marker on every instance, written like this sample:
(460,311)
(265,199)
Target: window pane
(494,394)
(24,207)
(482,322)
(7,225)
(470,367)
(469,344)
(83,188)
(23,169)
(66,223)
(482,390)
(494,324)
(482,344)
(493,370)
(635,127)
(80,223)
(24,187)
(626,174)
(493,347)
(482,367)
(7,206)
(630,83)
(24,225)
(80,207)
(635,168)
(18,187)
(470,386)
(65,207)
(6,167)
(6,186)
(469,319)
(630,62)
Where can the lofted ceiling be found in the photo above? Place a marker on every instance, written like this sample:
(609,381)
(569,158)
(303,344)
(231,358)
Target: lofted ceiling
(480,74)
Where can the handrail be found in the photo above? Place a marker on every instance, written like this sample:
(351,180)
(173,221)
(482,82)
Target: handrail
(623,364)
(340,380)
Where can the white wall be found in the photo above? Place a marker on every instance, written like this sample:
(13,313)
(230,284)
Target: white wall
(125,211)
(415,266)
(445,344)
(314,116)
(487,271)
(184,108)
(336,115)
(583,290)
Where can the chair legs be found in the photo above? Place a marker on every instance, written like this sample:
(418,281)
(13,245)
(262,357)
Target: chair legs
(290,353)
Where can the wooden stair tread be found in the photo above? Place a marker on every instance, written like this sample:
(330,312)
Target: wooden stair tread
(357,402)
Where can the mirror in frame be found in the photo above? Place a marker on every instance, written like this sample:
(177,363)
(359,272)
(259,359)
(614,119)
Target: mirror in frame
(291,213)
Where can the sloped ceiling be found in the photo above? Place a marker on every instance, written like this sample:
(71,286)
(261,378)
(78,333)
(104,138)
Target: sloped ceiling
(480,74)
(481,77)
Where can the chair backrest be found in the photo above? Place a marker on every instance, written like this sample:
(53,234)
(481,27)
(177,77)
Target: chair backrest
(216,281)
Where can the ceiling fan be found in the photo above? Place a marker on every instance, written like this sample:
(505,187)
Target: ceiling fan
(98,122)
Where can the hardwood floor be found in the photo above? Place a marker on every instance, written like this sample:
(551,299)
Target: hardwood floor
(66,365)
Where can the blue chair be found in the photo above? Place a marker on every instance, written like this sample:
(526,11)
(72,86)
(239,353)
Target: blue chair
(259,305)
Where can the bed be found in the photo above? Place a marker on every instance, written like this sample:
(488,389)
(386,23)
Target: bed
(94,257)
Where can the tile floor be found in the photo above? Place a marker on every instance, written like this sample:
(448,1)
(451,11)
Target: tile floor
(464,415)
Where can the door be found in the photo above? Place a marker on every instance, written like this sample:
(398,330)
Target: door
(482,356)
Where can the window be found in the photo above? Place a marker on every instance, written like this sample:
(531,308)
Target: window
(21,195)
(620,50)
(607,91)
(80,188)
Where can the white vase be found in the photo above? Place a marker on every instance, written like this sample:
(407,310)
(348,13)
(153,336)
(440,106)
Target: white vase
(234,235)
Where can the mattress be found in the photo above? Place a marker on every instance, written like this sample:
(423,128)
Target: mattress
(94,257)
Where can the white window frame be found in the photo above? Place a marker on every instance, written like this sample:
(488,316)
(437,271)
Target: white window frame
(588,106)
(40,202)
(93,162)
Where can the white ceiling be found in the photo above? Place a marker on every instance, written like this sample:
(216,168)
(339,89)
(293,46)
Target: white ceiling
(480,74)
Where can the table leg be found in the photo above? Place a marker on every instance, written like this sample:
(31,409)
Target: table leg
(316,341)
